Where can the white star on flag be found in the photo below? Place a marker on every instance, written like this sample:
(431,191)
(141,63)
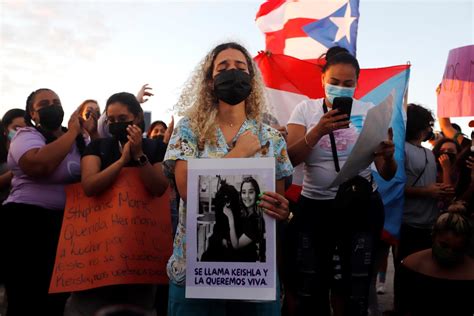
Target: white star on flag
(343,24)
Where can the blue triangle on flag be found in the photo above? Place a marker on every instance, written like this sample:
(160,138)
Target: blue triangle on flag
(324,30)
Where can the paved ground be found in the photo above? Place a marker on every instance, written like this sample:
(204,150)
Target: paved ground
(386,300)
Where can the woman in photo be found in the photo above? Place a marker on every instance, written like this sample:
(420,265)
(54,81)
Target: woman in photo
(246,233)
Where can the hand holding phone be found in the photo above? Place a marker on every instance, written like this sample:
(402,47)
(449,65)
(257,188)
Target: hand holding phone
(344,105)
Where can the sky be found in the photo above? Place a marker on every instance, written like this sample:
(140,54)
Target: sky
(85,49)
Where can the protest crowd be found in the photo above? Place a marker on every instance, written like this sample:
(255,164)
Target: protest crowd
(330,254)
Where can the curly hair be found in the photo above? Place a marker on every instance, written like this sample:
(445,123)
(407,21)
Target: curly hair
(418,119)
(199,103)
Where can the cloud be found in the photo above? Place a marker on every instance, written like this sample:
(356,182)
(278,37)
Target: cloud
(43,39)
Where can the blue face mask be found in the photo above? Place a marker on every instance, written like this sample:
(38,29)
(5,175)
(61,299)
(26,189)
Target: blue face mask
(11,133)
(333,91)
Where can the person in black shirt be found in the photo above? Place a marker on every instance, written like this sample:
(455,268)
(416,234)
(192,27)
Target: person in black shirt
(440,280)
(104,158)
(102,162)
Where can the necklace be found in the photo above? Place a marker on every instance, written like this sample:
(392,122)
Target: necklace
(230,124)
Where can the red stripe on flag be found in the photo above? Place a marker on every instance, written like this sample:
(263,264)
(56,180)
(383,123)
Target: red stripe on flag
(369,79)
(269,6)
(290,74)
(292,28)
(275,41)
(274,44)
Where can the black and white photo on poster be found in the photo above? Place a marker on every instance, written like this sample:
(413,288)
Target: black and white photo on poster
(230,225)
(231,249)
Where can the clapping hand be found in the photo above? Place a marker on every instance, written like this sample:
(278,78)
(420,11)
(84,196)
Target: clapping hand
(75,123)
(135,140)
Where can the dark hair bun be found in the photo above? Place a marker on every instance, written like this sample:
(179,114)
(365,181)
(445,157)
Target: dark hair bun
(335,50)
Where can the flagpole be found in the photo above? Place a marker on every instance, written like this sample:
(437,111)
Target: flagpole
(405,97)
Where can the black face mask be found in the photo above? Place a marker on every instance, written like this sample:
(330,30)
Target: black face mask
(159,137)
(232,86)
(119,130)
(429,136)
(51,117)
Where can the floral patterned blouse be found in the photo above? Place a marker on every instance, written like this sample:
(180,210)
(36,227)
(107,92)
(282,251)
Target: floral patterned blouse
(183,145)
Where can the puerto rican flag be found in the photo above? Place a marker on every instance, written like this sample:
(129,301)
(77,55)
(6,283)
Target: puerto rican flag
(305,29)
(290,80)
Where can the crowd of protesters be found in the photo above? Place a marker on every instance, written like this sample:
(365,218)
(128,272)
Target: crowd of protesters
(224,114)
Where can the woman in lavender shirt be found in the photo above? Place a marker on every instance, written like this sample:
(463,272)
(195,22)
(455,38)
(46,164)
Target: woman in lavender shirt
(44,157)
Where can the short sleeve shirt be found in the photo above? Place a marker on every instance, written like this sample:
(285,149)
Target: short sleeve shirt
(47,192)
(108,149)
(420,162)
(319,170)
(183,145)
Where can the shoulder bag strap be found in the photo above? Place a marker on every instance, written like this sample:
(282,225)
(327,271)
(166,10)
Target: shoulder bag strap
(424,168)
(333,143)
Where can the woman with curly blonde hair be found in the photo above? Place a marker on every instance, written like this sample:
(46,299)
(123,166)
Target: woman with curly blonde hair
(222,105)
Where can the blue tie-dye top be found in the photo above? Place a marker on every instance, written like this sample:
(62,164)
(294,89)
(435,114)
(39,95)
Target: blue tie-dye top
(183,145)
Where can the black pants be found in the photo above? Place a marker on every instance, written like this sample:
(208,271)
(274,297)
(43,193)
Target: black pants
(30,235)
(413,239)
(323,231)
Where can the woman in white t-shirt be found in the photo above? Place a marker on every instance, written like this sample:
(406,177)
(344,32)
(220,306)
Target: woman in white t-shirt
(321,225)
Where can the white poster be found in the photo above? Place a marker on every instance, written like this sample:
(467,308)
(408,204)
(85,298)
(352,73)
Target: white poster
(231,244)
(374,131)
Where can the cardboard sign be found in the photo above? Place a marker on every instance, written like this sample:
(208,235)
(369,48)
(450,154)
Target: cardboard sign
(456,95)
(122,236)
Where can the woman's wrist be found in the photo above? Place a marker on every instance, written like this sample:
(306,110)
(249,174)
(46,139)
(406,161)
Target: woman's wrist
(312,138)
(138,155)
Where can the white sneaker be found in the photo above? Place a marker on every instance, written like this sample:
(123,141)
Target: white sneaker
(381,288)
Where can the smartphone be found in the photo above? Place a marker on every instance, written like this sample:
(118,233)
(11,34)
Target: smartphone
(343,104)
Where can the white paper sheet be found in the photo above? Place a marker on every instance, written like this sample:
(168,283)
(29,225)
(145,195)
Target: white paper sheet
(373,132)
